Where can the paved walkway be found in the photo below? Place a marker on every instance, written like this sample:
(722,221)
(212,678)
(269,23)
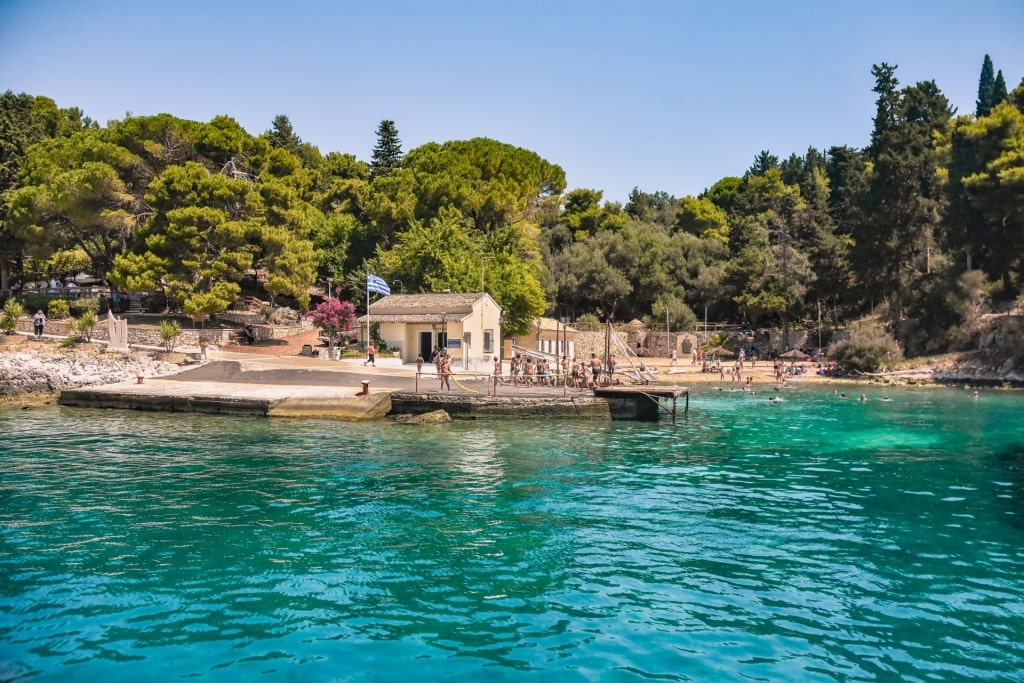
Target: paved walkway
(247,368)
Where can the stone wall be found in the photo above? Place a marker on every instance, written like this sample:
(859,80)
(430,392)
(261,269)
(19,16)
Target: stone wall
(149,335)
(641,342)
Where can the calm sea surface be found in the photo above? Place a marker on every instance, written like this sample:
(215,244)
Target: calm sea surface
(818,539)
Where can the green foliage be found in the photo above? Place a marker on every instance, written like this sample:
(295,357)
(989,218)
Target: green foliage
(170,330)
(986,89)
(36,302)
(85,325)
(893,241)
(431,257)
(589,280)
(158,203)
(78,193)
(703,218)
(655,207)
(719,339)
(68,262)
(969,302)
(24,121)
(387,153)
(58,308)
(867,347)
(588,322)
(515,285)
(672,311)
(996,187)
(80,307)
(584,215)
(13,310)
(491,184)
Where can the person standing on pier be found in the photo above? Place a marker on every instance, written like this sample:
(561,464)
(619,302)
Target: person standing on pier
(444,369)
(595,367)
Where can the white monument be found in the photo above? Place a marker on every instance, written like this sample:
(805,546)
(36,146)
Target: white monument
(117,331)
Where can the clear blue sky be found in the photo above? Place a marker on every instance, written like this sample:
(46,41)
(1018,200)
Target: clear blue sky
(656,94)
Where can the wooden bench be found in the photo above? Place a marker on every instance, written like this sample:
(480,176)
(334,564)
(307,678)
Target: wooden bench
(199,319)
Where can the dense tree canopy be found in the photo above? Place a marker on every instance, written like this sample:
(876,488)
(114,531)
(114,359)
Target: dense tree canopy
(925,224)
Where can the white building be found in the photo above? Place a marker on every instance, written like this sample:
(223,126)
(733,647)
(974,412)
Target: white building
(467,325)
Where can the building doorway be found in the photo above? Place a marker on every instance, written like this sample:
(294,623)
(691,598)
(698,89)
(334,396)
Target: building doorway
(425,344)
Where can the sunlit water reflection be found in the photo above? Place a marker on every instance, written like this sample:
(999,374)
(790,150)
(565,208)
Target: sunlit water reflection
(814,539)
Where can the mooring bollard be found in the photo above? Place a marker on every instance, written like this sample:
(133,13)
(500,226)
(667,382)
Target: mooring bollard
(366,387)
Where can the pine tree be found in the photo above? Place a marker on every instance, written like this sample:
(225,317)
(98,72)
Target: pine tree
(894,242)
(283,136)
(986,84)
(387,155)
(763,162)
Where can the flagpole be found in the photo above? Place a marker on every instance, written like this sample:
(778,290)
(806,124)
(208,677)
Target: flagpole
(367,309)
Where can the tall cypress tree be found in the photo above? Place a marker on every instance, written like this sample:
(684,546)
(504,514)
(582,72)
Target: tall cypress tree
(986,84)
(999,93)
(387,155)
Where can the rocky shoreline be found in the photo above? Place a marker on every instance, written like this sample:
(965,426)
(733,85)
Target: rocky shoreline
(34,372)
(38,371)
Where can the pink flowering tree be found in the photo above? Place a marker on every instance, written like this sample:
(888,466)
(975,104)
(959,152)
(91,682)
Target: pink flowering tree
(335,316)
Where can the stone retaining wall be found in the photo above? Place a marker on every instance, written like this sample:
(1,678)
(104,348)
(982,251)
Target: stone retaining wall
(148,335)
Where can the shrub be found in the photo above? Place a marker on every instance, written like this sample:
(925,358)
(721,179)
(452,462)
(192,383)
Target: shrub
(12,311)
(58,308)
(866,348)
(82,306)
(85,324)
(170,330)
(35,302)
(334,316)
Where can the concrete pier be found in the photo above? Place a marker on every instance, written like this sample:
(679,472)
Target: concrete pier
(641,402)
(291,388)
(251,400)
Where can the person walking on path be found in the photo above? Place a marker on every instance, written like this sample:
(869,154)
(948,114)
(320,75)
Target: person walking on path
(371,355)
(675,357)
(419,364)
(38,322)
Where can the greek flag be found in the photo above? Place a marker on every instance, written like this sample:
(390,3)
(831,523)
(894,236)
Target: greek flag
(377,285)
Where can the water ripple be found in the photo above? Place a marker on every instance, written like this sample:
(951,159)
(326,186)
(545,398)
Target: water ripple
(745,542)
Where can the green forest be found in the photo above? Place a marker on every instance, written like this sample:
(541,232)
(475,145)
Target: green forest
(923,228)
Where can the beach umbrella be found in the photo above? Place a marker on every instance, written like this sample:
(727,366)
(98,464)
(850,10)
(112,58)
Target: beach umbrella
(719,352)
(794,354)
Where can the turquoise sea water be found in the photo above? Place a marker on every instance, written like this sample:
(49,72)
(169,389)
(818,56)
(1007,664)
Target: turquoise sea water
(818,539)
